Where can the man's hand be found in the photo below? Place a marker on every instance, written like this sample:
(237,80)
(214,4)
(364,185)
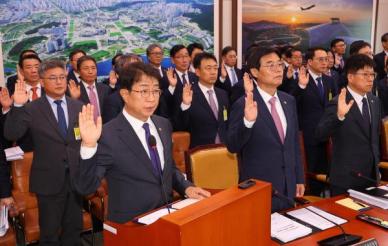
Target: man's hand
(20,76)
(74,89)
(299,190)
(8,202)
(223,71)
(250,110)
(343,107)
(248,83)
(290,71)
(5,100)
(187,95)
(112,78)
(172,79)
(20,96)
(303,77)
(90,131)
(196,192)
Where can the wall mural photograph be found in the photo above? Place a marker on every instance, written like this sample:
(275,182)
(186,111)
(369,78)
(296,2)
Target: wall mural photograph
(102,28)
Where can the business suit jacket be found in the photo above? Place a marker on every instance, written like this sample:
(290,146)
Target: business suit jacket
(227,84)
(262,154)
(355,147)
(103,92)
(311,106)
(382,88)
(11,81)
(52,152)
(133,187)
(71,76)
(199,119)
(380,65)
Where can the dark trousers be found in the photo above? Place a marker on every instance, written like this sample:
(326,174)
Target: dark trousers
(60,217)
(317,163)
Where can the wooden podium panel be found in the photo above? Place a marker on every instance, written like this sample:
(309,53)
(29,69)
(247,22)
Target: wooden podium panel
(231,217)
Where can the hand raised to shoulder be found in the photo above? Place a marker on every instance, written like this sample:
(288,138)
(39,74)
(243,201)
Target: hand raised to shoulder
(90,131)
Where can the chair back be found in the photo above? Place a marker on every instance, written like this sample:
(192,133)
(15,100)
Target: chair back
(181,143)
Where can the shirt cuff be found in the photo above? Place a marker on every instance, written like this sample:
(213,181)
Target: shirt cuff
(18,105)
(248,124)
(171,89)
(185,107)
(341,118)
(5,111)
(222,80)
(87,152)
(302,86)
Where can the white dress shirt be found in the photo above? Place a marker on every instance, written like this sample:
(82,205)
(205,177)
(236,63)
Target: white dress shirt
(204,90)
(29,91)
(358,99)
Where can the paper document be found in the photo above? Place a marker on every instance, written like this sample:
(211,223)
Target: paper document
(152,217)
(184,203)
(14,153)
(315,220)
(373,200)
(350,203)
(3,220)
(285,229)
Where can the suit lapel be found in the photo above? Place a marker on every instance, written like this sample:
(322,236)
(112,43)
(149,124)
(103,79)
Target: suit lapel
(202,100)
(287,112)
(47,111)
(221,105)
(356,113)
(314,87)
(72,112)
(373,113)
(164,137)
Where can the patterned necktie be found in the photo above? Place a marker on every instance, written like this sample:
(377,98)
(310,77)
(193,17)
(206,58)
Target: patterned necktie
(213,106)
(276,118)
(365,111)
(61,118)
(184,80)
(93,101)
(34,93)
(153,151)
(320,87)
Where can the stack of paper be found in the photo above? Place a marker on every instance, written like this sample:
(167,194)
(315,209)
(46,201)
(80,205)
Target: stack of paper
(3,220)
(184,203)
(373,200)
(152,217)
(285,229)
(14,153)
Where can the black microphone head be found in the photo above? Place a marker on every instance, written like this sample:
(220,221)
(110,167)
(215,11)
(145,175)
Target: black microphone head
(152,141)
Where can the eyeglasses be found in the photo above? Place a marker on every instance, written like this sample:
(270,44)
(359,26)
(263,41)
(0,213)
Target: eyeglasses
(322,59)
(274,66)
(53,79)
(182,57)
(367,75)
(147,93)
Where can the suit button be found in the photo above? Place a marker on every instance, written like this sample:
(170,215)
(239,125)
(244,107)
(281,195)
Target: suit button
(64,159)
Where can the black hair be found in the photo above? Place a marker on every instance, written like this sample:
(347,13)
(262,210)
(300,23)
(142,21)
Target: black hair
(84,59)
(192,46)
(335,41)
(134,72)
(74,52)
(357,62)
(356,46)
(175,49)
(203,56)
(310,53)
(27,57)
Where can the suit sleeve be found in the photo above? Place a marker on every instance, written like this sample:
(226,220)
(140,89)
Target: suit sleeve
(329,122)
(238,134)
(5,180)
(298,159)
(16,123)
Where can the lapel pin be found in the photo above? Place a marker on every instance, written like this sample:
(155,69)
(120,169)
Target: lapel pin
(285,102)
(160,129)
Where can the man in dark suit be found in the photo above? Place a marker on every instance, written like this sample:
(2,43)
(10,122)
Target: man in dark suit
(135,167)
(194,49)
(352,120)
(291,73)
(89,91)
(263,130)
(312,93)
(155,58)
(73,73)
(111,81)
(382,88)
(338,46)
(228,74)
(51,121)
(204,108)
(381,57)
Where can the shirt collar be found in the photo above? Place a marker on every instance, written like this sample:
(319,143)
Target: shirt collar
(314,75)
(51,100)
(181,74)
(204,89)
(228,67)
(86,84)
(28,86)
(266,97)
(357,97)
(134,122)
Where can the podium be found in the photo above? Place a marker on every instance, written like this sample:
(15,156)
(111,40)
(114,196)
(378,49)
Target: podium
(230,217)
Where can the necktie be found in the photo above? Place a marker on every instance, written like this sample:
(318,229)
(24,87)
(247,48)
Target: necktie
(153,151)
(342,63)
(296,74)
(61,118)
(34,93)
(213,106)
(276,118)
(365,111)
(93,101)
(234,76)
(320,87)
(184,80)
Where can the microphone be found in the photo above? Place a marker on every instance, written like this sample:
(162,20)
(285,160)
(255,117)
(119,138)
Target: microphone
(337,240)
(362,176)
(152,143)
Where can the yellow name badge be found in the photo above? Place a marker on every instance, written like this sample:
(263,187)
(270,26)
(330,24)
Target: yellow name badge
(225,113)
(77,133)
(330,96)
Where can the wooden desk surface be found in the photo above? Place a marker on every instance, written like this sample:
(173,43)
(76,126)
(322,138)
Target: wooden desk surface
(353,226)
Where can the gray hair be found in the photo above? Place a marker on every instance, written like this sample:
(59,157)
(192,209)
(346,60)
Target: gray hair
(151,47)
(125,60)
(50,64)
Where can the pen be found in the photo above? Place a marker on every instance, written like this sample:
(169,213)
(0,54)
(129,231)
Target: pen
(360,204)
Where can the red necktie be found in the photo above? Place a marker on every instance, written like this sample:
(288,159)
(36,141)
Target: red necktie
(34,93)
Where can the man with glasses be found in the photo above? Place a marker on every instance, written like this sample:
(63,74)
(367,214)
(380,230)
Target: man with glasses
(382,88)
(352,121)
(338,46)
(204,108)
(381,58)
(263,130)
(133,151)
(155,58)
(291,73)
(312,93)
(51,120)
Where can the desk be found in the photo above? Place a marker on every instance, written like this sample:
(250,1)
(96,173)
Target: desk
(353,226)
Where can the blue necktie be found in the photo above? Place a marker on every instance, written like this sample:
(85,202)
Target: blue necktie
(61,118)
(365,112)
(153,151)
(320,87)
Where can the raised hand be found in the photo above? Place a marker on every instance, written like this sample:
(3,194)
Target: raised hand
(20,76)
(20,96)
(5,100)
(343,107)
(112,78)
(248,83)
(172,79)
(337,60)
(224,73)
(303,76)
(187,95)
(74,89)
(250,110)
(89,130)
(290,71)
